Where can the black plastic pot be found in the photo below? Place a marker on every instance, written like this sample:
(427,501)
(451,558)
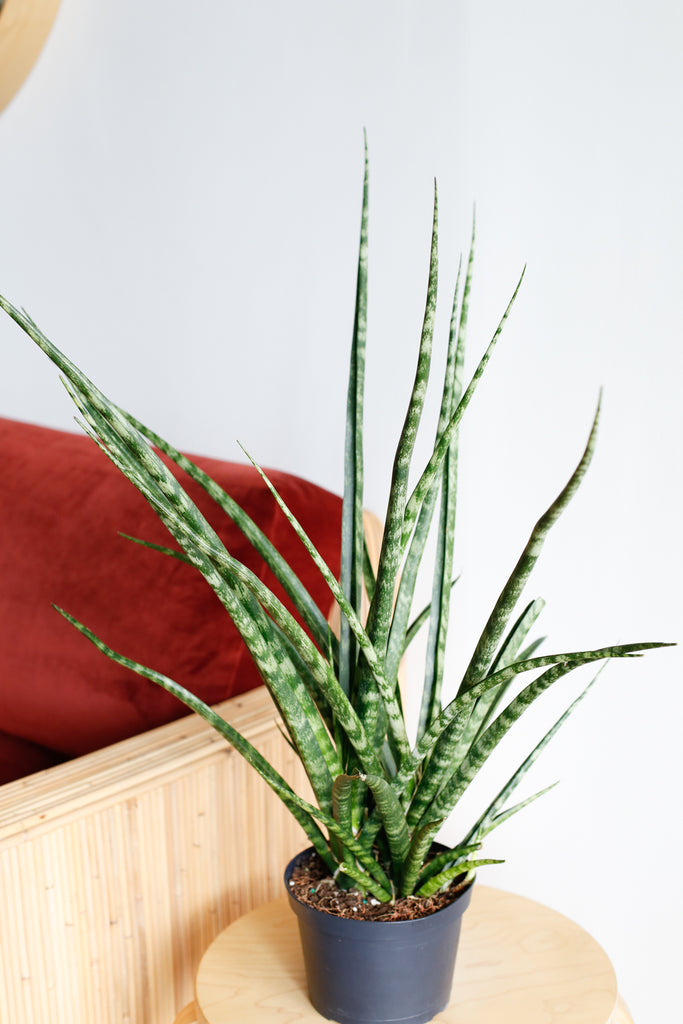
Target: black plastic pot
(378,972)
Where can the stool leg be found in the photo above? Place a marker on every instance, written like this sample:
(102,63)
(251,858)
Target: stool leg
(620,1014)
(188,1015)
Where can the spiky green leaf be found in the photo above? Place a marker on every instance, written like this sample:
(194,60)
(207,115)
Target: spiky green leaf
(393,818)
(493,630)
(420,845)
(301,599)
(443,559)
(440,881)
(425,483)
(380,613)
(494,813)
(454,787)
(445,859)
(387,690)
(352,537)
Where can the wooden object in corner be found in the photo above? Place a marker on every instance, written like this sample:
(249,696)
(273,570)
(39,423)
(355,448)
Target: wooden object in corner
(118,869)
(24,27)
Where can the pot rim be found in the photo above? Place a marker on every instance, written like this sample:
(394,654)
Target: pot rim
(464,895)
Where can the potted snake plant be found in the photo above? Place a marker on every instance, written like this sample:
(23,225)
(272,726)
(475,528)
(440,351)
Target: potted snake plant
(375,892)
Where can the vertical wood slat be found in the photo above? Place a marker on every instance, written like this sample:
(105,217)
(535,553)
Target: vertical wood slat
(118,869)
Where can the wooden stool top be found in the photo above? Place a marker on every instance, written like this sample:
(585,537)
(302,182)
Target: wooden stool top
(518,963)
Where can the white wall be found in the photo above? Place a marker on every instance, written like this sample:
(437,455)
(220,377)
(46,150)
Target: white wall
(181,192)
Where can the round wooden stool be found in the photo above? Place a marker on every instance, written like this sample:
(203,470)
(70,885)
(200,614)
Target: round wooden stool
(518,962)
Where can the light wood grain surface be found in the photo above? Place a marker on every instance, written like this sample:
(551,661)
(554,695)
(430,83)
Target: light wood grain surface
(518,963)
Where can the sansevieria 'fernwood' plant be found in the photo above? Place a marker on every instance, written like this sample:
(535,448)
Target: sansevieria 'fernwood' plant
(380,799)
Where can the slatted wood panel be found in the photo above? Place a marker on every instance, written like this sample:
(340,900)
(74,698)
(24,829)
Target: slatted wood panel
(118,869)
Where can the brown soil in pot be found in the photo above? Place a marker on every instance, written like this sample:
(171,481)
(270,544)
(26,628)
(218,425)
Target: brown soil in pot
(312,885)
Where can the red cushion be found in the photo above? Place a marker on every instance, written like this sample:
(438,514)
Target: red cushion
(62,504)
(21,757)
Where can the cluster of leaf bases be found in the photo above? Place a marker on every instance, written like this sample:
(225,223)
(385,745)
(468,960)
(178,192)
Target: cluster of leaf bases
(379,800)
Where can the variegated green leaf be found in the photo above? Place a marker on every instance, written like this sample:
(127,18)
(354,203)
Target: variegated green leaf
(504,607)
(461,705)
(393,818)
(443,559)
(286,687)
(517,635)
(343,790)
(420,845)
(191,530)
(408,578)
(440,766)
(170,552)
(364,882)
(309,676)
(369,578)
(445,860)
(426,481)
(380,613)
(438,882)
(253,757)
(494,812)
(301,809)
(458,709)
(387,689)
(454,787)
(342,798)
(352,538)
(510,811)
(301,599)
(419,621)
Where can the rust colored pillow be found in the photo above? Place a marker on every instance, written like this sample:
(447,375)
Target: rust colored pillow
(62,504)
